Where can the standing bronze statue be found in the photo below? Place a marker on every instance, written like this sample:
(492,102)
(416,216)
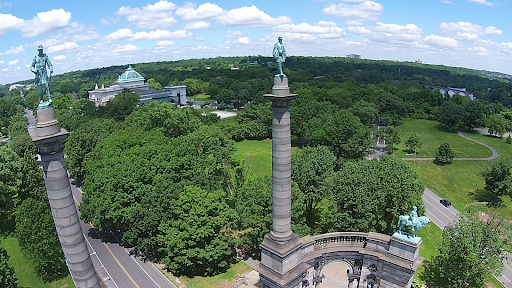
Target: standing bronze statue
(38,67)
(280,56)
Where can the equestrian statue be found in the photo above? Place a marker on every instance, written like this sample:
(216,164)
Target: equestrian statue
(412,221)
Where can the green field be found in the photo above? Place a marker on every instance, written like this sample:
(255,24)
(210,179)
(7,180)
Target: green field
(432,135)
(200,97)
(258,156)
(25,273)
(24,270)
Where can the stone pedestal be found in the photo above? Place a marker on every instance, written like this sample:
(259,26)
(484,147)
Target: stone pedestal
(405,246)
(48,137)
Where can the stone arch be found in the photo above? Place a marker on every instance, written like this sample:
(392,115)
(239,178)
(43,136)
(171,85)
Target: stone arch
(328,262)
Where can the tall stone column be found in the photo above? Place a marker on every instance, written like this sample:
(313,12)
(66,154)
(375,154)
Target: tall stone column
(48,137)
(281,258)
(281,160)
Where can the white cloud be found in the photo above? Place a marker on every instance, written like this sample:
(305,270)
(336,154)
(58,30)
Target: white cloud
(125,48)
(439,41)
(309,29)
(1,62)
(119,34)
(197,25)
(493,30)
(63,47)
(161,34)
(327,23)
(59,57)
(383,32)
(367,10)
(9,22)
(158,15)
(14,50)
(204,11)
(242,40)
(166,43)
(482,51)
(354,23)
(89,35)
(5,69)
(46,22)
(360,30)
(446,2)
(14,62)
(5,4)
(482,2)
(251,17)
(233,34)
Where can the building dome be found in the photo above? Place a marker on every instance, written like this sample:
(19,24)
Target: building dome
(130,75)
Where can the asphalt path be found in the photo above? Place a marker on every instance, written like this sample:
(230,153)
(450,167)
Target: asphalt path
(444,216)
(112,262)
(461,134)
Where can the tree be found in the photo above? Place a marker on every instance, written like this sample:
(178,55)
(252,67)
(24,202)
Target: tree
(343,132)
(413,143)
(371,195)
(10,166)
(38,239)
(197,240)
(444,154)
(83,140)
(497,177)
(254,208)
(30,181)
(391,136)
(367,112)
(508,140)
(451,115)
(7,275)
(497,125)
(475,112)
(153,85)
(310,168)
(122,105)
(471,252)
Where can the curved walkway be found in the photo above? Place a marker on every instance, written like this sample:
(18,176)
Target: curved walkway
(461,134)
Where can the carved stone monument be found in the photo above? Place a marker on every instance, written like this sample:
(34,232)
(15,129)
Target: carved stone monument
(38,67)
(373,259)
(48,137)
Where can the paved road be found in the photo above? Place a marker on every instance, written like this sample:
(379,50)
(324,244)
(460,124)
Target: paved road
(111,261)
(492,157)
(443,216)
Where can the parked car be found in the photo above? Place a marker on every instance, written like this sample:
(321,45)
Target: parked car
(445,202)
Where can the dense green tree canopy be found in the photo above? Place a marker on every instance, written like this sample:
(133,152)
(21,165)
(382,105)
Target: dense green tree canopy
(343,132)
(471,252)
(444,154)
(370,195)
(498,180)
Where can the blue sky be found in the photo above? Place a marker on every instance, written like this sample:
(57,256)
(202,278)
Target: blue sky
(81,35)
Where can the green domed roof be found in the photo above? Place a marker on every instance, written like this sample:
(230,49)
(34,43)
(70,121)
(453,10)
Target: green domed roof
(130,75)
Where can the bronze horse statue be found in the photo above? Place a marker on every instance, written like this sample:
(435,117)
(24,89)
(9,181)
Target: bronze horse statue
(415,225)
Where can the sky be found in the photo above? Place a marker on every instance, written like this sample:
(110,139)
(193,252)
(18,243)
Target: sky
(79,35)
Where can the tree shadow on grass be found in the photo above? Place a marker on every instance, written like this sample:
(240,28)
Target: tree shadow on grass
(482,195)
(7,224)
(442,128)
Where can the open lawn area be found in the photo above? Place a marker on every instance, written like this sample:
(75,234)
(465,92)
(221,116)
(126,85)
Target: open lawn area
(24,270)
(432,237)
(25,273)
(258,155)
(200,97)
(219,281)
(431,135)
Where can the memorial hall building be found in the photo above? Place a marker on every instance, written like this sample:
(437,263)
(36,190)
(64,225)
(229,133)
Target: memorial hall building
(132,80)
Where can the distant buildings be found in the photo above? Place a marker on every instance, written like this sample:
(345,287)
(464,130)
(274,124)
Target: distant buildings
(451,91)
(419,61)
(132,80)
(354,56)
(16,86)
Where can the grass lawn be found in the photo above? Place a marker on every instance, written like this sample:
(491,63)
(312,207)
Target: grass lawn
(432,135)
(431,236)
(200,97)
(24,270)
(258,156)
(206,282)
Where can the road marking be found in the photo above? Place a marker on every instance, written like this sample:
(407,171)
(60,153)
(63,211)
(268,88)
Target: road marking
(437,200)
(143,269)
(437,209)
(434,216)
(172,284)
(101,263)
(121,265)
